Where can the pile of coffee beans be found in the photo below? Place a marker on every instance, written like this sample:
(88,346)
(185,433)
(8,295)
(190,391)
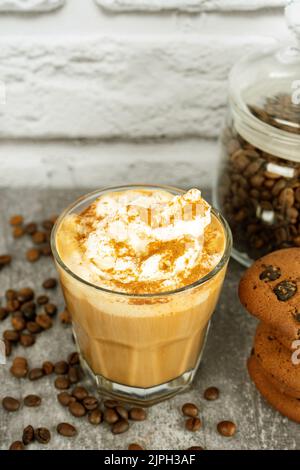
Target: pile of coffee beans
(259,193)
(29,315)
(39,234)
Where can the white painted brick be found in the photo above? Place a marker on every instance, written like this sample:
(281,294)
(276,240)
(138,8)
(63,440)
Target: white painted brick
(188,5)
(29,5)
(106,87)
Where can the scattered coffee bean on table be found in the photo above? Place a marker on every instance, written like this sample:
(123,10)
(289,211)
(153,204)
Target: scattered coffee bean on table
(77,409)
(226,428)
(27,340)
(65,317)
(95,417)
(137,414)
(32,400)
(36,374)
(19,368)
(90,403)
(65,398)
(28,435)
(48,368)
(61,367)
(50,309)
(196,448)
(50,283)
(191,410)
(29,310)
(122,412)
(111,416)
(12,305)
(33,327)
(30,228)
(38,238)
(10,404)
(211,393)
(16,219)
(80,393)
(8,348)
(121,426)
(25,294)
(42,299)
(193,424)
(73,358)
(32,255)
(11,335)
(111,403)
(66,430)
(5,260)
(44,321)
(3,313)
(73,375)
(135,446)
(62,383)
(17,445)
(18,321)
(42,435)
(11,294)
(18,232)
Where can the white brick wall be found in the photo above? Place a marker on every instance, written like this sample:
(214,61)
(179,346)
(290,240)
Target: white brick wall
(145,75)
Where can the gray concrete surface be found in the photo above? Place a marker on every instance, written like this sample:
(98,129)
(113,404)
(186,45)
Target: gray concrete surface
(223,365)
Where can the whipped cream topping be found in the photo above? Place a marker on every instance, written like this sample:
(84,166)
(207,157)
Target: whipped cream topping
(140,240)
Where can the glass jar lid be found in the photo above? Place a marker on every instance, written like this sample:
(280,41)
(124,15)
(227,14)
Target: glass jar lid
(265,94)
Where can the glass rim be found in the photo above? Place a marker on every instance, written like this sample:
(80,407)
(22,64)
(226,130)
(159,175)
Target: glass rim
(173,189)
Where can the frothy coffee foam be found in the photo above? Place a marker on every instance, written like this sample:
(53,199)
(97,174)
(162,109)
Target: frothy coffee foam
(140,241)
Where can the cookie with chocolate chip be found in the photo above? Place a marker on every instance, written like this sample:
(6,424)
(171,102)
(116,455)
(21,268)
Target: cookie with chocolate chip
(277,362)
(270,290)
(286,405)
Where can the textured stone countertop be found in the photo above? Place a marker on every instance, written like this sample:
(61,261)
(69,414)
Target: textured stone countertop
(223,365)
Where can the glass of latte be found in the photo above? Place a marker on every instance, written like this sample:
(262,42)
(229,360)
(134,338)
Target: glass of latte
(141,268)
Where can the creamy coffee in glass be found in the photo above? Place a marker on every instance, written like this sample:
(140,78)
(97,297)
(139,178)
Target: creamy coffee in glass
(141,269)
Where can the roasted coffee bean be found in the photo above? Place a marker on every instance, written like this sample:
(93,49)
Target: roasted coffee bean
(5,260)
(46,250)
(47,224)
(90,403)
(65,398)
(3,313)
(79,393)
(66,430)
(111,416)
(270,273)
(285,290)
(73,375)
(16,220)
(10,404)
(122,412)
(32,400)
(135,446)
(8,348)
(111,403)
(226,428)
(31,228)
(95,417)
(50,283)
(18,232)
(25,295)
(17,445)
(50,309)
(48,367)
(28,435)
(42,435)
(137,414)
(62,382)
(121,426)
(211,393)
(36,374)
(61,367)
(77,409)
(12,305)
(44,321)
(11,294)
(18,322)
(193,424)
(27,340)
(73,358)
(196,448)
(19,367)
(65,317)
(38,238)
(32,255)
(11,335)
(33,327)
(191,410)
(28,309)
(42,299)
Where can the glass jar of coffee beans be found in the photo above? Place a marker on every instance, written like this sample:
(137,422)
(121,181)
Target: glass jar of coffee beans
(258,183)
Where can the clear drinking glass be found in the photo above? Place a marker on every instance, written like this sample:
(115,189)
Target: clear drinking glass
(140,348)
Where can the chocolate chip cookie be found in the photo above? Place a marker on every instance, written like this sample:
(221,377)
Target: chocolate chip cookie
(270,290)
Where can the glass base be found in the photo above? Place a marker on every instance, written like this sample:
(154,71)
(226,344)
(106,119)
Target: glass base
(141,396)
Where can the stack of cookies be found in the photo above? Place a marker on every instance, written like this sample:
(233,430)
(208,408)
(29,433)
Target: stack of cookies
(270,290)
